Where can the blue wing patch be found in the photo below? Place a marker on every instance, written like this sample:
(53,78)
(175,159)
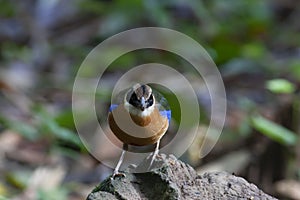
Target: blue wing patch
(166,113)
(112,107)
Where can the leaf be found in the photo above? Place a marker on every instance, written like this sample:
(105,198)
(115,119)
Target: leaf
(295,68)
(25,129)
(280,86)
(18,179)
(253,50)
(47,124)
(274,131)
(57,193)
(3,190)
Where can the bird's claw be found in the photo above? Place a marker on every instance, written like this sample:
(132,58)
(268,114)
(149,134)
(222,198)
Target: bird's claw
(118,174)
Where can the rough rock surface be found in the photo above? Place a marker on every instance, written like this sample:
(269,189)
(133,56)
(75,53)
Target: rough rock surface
(170,178)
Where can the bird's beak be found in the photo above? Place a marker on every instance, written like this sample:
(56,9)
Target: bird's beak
(143,104)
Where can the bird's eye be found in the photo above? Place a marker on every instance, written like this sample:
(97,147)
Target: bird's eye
(149,102)
(134,100)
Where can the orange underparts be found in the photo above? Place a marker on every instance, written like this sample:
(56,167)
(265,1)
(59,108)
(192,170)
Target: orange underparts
(136,130)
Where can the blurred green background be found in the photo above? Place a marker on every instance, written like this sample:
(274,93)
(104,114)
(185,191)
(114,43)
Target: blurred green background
(255,44)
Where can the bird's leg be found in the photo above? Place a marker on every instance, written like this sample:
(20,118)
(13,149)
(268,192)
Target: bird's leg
(155,153)
(116,171)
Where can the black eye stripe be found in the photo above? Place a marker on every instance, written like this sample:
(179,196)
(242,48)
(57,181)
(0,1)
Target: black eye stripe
(137,103)
(133,100)
(149,102)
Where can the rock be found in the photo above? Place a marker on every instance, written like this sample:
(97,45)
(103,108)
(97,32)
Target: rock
(170,178)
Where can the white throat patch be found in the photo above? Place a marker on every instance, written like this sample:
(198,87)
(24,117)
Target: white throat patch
(135,111)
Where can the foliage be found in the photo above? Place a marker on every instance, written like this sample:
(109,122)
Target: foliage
(274,131)
(44,126)
(280,86)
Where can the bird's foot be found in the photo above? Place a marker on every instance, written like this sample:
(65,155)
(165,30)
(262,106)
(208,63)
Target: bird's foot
(154,155)
(118,174)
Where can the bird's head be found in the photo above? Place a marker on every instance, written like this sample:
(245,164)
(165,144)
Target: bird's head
(140,100)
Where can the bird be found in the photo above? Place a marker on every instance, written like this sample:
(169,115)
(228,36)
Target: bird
(141,121)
